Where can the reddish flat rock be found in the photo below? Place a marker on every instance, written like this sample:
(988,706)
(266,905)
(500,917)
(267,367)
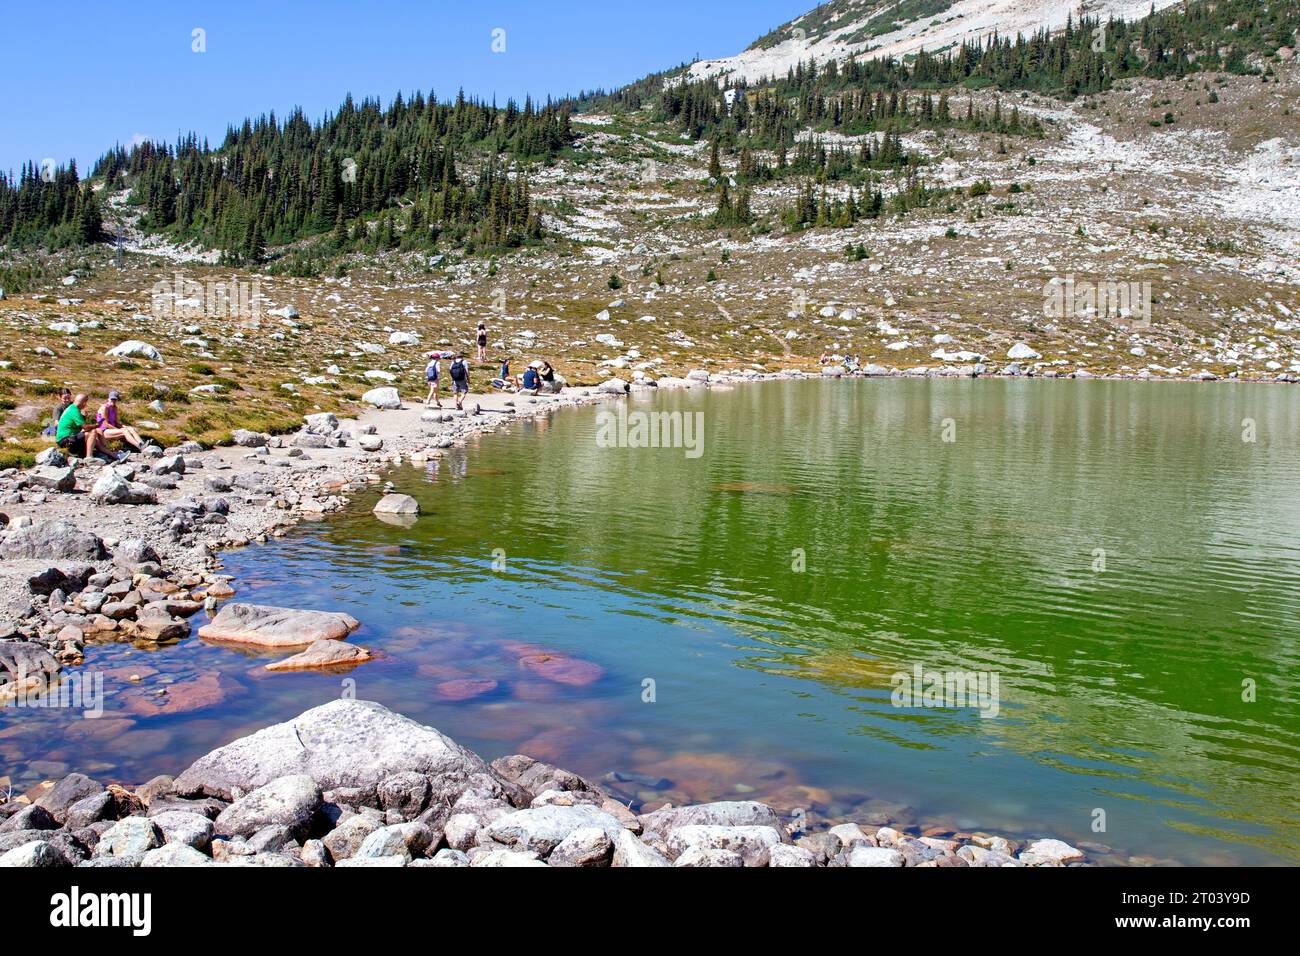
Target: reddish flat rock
(206,690)
(267,626)
(323,654)
(563,670)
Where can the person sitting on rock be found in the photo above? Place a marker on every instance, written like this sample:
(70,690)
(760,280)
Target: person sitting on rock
(65,399)
(109,426)
(77,437)
(547,374)
(506,380)
(532,381)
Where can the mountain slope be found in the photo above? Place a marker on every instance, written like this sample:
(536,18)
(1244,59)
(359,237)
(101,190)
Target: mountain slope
(896,28)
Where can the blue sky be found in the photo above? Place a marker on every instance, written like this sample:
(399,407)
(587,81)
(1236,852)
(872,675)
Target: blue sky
(79,77)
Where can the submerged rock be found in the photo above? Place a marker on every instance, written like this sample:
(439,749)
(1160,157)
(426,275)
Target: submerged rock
(563,669)
(465,689)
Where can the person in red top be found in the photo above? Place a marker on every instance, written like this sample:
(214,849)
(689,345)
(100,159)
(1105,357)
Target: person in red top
(110,427)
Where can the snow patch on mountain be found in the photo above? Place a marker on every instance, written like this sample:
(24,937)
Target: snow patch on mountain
(963,20)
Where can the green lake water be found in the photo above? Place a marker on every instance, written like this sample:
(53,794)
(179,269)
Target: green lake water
(1115,554)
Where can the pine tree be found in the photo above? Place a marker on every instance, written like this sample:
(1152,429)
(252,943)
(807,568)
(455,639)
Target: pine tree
(90,226)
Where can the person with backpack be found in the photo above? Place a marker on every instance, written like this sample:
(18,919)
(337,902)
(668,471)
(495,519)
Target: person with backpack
(459,372)
(431,375)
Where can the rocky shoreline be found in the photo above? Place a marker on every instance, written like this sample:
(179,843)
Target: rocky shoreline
(352,784)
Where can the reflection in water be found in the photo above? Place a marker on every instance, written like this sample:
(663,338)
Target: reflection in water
(1114,553)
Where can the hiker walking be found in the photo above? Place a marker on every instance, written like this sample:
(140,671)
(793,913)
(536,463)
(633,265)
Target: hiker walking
(459,372)
(431,375)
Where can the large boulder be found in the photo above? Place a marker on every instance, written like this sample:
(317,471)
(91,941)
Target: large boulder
(397,505)
(133,552)
(248,439)
(52,456)
(345,743)
(267,626)
(53,478)
(72,788)
(322,423)
(52,540)
(134,348)
(613,386)
(385,398)
(1022,351)
(112,489)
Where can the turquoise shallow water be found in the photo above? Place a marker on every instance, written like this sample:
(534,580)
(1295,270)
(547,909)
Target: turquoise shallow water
(1113,553)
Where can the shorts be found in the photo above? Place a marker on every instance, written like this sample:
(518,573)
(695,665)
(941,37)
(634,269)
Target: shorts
(461,386)
(75,444)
